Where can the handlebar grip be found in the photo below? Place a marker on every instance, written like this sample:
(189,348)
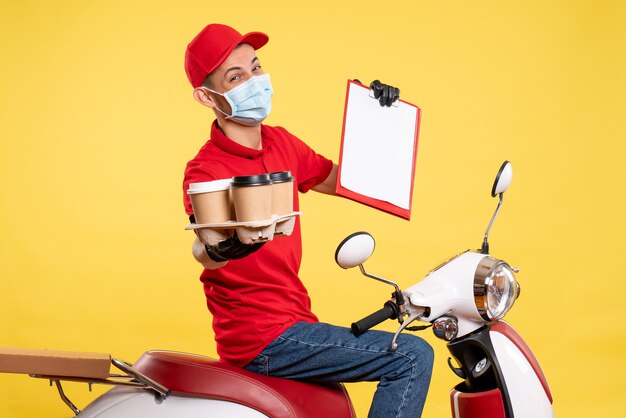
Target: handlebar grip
(389,311)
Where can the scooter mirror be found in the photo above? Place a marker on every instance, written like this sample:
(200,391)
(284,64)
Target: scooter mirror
(354,250)
(503,179)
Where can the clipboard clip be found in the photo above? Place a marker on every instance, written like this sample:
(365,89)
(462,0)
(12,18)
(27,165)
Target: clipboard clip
(371,92)
(394,104)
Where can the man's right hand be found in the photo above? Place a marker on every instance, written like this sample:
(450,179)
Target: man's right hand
(231,249)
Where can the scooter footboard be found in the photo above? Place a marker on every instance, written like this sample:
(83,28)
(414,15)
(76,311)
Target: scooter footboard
(487,404)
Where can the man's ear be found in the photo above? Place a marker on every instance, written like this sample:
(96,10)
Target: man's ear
(203,97)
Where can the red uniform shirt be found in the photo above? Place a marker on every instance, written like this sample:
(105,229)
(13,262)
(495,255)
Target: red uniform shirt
(254,299)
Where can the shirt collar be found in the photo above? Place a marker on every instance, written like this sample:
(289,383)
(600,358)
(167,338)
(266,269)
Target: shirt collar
(231,147)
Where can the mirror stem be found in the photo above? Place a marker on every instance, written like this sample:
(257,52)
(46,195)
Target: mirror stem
(398,292)
(485,246)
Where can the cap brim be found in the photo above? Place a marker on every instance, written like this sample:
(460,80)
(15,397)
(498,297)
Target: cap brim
(255,39)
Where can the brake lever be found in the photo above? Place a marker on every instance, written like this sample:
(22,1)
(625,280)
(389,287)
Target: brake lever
(413,315)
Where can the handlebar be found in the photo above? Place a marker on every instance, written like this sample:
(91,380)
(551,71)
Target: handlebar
(389,311)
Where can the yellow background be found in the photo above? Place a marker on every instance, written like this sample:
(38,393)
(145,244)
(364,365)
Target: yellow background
(97,122)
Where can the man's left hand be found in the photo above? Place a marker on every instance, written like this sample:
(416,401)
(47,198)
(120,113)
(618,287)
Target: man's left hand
(385,93)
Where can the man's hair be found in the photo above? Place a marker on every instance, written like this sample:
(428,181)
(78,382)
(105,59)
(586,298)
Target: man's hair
(208,83)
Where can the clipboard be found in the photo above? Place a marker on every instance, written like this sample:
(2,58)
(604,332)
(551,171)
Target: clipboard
(378,152)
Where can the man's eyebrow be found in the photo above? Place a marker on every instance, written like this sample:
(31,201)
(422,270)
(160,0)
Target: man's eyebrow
(255,59)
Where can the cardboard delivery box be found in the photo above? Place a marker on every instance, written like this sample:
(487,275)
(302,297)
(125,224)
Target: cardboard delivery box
(54,363)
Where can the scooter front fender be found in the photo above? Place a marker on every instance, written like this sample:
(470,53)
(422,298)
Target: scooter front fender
(526,384)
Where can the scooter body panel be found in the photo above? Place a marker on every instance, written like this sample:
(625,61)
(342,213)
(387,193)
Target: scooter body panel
(522,382)
(487,404)
(510,333)
(502,376)
(124,402)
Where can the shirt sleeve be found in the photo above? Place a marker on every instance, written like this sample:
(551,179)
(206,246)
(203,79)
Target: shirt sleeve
(195,171)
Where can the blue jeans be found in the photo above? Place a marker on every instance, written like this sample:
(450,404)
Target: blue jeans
(326,353)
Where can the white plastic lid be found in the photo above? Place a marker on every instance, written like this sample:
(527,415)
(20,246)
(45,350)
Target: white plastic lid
(209,186)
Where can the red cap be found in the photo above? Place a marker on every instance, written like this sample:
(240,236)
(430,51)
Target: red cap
(210,48)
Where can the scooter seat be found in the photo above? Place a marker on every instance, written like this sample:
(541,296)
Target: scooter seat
(197,375)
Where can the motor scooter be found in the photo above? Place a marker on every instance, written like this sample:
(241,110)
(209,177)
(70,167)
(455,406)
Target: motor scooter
(463,300)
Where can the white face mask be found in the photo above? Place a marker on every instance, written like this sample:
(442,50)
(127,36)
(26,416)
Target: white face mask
(250,102)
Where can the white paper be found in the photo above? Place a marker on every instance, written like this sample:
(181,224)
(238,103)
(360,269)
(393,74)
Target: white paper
(378,148)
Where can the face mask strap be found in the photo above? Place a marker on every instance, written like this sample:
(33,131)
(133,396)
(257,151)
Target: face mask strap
(223,113)
(220,94)
(212,91)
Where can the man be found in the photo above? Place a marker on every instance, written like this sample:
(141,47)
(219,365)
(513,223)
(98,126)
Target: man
(261,309)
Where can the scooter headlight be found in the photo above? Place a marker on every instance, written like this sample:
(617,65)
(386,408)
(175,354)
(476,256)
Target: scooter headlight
(495,288)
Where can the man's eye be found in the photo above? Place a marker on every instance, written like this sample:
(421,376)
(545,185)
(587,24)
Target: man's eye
(256,68)
(234,78)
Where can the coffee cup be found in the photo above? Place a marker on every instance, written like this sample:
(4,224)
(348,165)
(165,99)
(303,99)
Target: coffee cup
(210,201)
(282,192)
(252,197)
